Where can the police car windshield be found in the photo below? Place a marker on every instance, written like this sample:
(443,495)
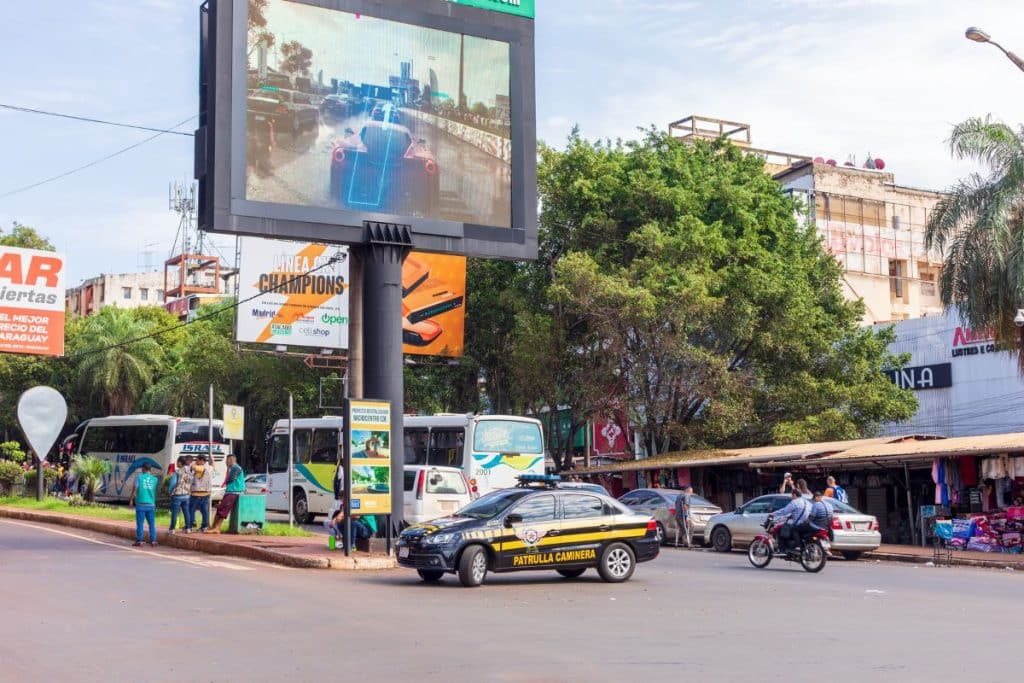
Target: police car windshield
(492,504)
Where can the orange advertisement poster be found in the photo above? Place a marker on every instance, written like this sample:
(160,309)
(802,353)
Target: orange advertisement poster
(433,304)
(31,302)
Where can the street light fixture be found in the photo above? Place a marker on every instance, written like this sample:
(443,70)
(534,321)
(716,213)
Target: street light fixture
(977,35)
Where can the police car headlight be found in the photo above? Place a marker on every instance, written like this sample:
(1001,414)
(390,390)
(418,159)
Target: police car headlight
(441,539)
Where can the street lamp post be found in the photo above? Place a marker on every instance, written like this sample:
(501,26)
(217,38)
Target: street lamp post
(977,35)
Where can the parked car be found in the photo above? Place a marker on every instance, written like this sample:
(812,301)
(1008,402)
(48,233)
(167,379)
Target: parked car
(661,504)
(432,492)
(256,484)
(337,106)
(291,111)
(854,532)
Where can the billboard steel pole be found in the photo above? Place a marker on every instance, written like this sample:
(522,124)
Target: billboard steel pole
(386,246)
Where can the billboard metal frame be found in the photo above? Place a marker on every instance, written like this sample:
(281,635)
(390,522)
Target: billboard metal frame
(220,142)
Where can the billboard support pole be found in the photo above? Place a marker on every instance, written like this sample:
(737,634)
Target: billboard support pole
(291,457)
(385,247)
(354,375)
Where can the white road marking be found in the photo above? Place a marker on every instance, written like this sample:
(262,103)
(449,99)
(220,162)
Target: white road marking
(213,564)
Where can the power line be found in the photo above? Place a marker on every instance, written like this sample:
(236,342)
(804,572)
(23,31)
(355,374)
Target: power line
(87,119)
(205,316)
(93,163)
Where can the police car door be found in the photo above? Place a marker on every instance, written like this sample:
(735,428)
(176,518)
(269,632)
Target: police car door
(587,523)
(528,538)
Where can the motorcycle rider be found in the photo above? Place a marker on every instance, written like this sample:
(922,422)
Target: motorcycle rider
(821,514)
(795,516)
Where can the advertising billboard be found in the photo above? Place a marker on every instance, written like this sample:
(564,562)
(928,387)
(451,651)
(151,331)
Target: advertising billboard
(293,294)
(368,445)
(420,114)
(433,304)
(31,302)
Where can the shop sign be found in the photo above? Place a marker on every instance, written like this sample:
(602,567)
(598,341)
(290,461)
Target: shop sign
(971,342)
(923,377)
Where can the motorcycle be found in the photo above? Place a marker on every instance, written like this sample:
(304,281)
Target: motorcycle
(811,550)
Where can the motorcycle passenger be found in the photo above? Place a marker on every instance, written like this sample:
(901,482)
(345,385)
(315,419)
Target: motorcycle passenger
(796,515)
(821,514)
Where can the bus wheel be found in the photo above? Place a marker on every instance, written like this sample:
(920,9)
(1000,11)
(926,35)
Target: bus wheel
(300,508)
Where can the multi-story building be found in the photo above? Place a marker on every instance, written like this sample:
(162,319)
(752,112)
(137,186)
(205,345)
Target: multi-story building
(873,226)
(125,290)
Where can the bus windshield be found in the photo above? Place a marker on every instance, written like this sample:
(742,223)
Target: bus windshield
(197,430)
(508,436)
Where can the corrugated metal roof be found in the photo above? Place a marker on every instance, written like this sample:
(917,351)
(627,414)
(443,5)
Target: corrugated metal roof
(988,444)
(741,456)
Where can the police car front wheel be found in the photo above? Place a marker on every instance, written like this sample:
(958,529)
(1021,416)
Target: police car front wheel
(617,563)
(473,566)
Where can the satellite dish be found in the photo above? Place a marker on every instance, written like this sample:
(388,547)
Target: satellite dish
(879,164)
(831,162)
(819,160)
(870,163)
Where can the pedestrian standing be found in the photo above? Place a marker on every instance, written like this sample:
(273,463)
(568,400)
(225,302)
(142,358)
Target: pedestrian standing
(202,485)
(181,494)
(836,491)
(805,492)
(234,486)
(787,484)
(144,500)
(683,516)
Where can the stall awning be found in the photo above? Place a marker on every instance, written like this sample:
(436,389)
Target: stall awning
(753,457)
(926,451)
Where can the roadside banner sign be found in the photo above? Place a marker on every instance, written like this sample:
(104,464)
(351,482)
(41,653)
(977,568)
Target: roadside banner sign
(234,422)
(368,450)
(293,294)
(31,301)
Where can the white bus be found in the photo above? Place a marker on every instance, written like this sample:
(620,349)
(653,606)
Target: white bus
(318,444)
(129,441)
(492,450)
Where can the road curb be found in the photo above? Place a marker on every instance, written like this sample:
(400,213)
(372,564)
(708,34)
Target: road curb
(203,544)
(926,559)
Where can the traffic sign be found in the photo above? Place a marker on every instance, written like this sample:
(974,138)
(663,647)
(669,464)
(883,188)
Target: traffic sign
(314,361)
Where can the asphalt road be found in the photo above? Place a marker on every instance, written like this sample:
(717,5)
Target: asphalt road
(78,607)
(474,185)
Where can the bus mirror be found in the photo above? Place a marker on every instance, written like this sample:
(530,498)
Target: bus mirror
(511,519)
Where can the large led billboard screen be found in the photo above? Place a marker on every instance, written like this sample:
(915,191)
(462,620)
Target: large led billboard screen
(318,115)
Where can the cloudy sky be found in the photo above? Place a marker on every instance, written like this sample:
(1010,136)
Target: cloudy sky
(819,77)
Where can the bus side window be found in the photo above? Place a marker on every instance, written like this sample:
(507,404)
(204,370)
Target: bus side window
(277,458)
(416,446)
(446,447)
(325,447)
(303,439)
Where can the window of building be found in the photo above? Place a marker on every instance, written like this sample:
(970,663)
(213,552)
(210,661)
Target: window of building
(159,295)
(126,292)
(144,294)
(928,278)
(897,278)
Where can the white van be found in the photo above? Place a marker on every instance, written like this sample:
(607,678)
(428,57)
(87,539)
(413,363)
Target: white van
(433,492)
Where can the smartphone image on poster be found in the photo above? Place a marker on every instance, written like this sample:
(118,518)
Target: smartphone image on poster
(431,299)
(414,272)
(422,333)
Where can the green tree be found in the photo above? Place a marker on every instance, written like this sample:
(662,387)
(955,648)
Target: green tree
(117,361)
(258,32)
(980,227)
(686,284)
(24,237)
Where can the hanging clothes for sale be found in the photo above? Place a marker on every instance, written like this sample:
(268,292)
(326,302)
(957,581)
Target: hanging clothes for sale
(968,468)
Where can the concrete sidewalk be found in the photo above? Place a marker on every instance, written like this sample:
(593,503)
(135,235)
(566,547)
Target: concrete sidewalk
(959,558)
(289,551)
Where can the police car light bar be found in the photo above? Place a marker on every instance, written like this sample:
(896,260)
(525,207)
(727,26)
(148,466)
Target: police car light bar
(547,479)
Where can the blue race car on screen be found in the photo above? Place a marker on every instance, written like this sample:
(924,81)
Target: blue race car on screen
(384,168)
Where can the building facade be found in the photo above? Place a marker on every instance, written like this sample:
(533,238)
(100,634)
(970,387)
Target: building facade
(876,230)
(126,290)
(964,386)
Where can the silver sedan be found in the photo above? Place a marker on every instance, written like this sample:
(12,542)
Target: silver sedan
(661,504)
(854,532)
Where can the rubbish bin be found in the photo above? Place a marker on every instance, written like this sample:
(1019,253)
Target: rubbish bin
(249,515)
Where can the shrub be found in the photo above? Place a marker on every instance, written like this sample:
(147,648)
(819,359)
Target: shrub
(49,476)
(11,450)
(90,472)
(11,473)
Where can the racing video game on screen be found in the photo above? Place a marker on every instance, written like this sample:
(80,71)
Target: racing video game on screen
(353,112)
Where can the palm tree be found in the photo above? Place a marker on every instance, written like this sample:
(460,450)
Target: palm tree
(118,362)
(89,471)
(980,227)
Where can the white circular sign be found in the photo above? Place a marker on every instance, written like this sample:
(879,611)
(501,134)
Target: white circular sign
(42,412)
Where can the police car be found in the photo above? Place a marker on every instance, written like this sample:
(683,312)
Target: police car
(536,525)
